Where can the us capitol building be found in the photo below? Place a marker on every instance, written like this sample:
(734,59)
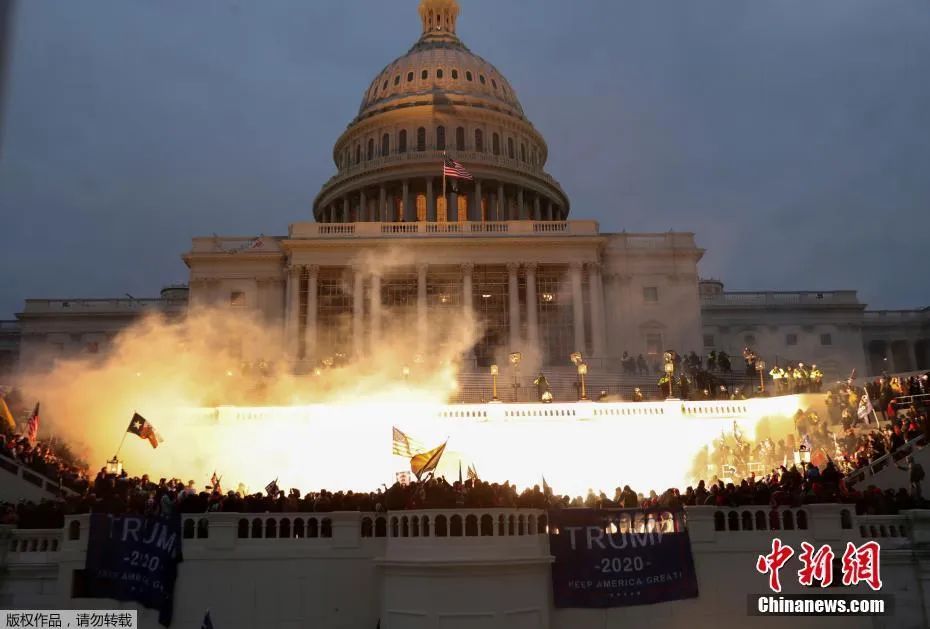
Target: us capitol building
(388,248)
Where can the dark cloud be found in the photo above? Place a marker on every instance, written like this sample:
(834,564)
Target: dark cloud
(792,136)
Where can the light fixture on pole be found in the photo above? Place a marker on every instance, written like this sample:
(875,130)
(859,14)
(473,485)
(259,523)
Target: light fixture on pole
(495,370)
(114,466)
(515,358)
(760,367)
(582,372)
(669,371)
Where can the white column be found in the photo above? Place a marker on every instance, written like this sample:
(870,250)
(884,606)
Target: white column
(293,309)
(375,311)
(310,329)
(598,333)
(358,311)
(532,313)
(422,330)
(362,215)
(513,290)
(577,305)
(468,270)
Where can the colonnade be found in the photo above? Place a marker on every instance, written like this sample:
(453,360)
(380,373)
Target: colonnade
(414,199)
(304,279)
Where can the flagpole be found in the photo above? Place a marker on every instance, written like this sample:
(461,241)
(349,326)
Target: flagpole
(120,444)
(444,200)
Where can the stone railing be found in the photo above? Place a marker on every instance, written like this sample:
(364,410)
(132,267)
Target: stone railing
(33,546)
(889,529)
(473,159)
(774,298)
(41,306)
(896,316)
(237,244)
(16,468)
(886,460)
(374,229)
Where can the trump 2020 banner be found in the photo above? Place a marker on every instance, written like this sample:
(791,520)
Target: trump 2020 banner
(134,558)
(620,557)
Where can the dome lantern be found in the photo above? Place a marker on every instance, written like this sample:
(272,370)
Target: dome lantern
(439,16)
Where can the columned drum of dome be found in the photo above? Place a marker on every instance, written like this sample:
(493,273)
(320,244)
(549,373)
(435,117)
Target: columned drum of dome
(440,98)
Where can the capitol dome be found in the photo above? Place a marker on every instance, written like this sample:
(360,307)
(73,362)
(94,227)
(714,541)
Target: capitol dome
(440,99)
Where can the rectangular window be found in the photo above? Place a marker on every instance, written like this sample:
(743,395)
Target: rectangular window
(791,339)
(653,344)
(650,294)
(92,348)
(237,299)
(708,340)
(826,339)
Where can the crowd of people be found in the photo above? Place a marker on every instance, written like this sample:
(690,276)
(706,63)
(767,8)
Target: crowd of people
(863,424)
(53,461)
(123,494)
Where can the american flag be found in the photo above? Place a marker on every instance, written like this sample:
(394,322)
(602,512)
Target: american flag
(451,168)
(32,426)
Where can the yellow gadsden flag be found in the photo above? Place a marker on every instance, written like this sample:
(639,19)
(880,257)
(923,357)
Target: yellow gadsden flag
(426,461)
(5,414)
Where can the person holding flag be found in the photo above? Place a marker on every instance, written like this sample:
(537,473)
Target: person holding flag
(866,408)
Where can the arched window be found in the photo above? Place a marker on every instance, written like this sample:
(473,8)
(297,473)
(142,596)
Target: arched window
(523,152)
(385,144)
(440,138)
(479,140)
(358,153)
(421,139)
(460,139)
(402,141)
(371,149)
(467,75)
(421,207)
(481,78)
(397,80)
(494,83)
(409,77)
(496,144)
(424,75)
(510,150)
(384,87)
(455,74)
(439,73)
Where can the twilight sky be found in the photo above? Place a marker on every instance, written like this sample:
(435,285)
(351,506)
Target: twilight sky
(792,136)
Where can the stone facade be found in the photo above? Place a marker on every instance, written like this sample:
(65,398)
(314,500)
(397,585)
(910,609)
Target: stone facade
(64,328)
(433,569)
(392,237)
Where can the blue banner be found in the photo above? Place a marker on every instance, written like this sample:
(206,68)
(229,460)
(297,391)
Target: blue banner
(134,558)
(620,557)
